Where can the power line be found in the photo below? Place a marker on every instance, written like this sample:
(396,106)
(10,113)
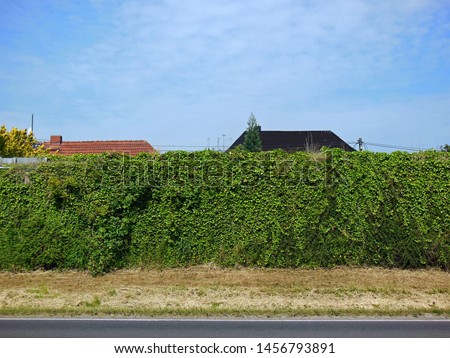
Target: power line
(362,145)
(413,149)
(360,142)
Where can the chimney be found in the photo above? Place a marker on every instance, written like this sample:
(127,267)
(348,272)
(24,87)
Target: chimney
(55,140)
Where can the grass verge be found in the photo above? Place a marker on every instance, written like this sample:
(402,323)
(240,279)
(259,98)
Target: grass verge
(209,291)
(200,312)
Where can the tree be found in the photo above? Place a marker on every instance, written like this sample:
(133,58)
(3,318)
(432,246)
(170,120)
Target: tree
(445,148)
(252,136)
(19,143)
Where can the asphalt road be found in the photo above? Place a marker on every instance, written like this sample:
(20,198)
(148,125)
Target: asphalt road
(211,328)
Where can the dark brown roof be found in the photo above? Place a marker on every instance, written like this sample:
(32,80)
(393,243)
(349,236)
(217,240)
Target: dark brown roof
(57,146)
(293,141)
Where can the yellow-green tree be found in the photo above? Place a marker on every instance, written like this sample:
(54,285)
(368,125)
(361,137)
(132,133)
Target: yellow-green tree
(19,143)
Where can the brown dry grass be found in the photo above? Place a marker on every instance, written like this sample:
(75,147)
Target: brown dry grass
(210,290)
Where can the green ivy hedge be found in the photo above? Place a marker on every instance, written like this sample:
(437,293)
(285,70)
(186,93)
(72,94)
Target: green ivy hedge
(269,209)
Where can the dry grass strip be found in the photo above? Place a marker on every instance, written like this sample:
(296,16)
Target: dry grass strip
(211,290)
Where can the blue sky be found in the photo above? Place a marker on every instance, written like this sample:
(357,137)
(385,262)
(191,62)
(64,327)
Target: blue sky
(187,72)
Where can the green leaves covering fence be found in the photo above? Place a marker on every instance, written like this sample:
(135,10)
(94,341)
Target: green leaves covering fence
(269,209)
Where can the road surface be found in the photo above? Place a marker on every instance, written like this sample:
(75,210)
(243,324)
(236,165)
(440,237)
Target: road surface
(228,328)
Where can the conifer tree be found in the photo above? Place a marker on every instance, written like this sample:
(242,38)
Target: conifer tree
(252,137)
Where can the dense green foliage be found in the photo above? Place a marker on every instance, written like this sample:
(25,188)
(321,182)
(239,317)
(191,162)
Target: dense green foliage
(252,136)
(269,209)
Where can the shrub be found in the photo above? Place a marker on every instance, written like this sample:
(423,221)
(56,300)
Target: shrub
(272,209)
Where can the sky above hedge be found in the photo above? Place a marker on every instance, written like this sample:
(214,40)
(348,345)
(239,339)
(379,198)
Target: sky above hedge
(185,73)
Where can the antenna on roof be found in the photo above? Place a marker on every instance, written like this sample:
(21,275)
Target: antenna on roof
(30,130)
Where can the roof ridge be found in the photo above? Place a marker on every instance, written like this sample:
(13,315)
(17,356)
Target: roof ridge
(308,130)
(105,140)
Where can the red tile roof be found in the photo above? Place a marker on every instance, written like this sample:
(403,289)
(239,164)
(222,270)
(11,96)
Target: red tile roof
(57,146)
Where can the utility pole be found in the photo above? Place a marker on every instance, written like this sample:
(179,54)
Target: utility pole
(360,143)
(223,142)
(32,122)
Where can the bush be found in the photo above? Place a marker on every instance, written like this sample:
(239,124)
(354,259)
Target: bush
(269,209)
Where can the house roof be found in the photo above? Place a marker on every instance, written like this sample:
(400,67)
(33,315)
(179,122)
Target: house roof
(57,146)
(292,141)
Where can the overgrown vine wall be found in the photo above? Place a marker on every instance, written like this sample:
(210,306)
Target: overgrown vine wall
(269,209)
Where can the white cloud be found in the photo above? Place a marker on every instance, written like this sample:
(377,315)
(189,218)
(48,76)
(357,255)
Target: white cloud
(162,68)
